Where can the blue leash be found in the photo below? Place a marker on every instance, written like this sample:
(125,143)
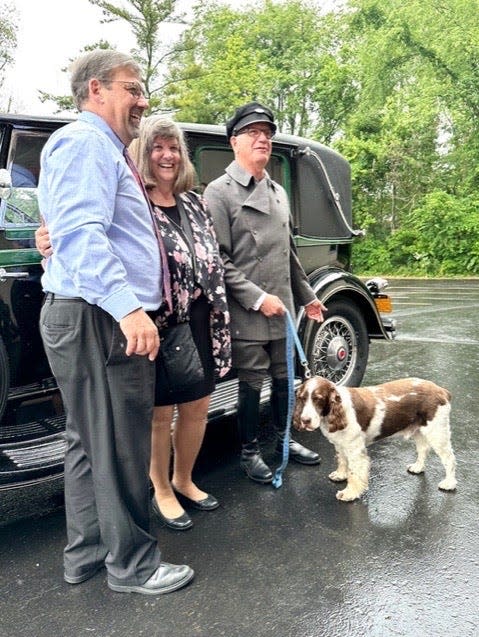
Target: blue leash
(291,340)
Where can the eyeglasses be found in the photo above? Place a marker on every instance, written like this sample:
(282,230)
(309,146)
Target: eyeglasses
(256,132)
(135,89)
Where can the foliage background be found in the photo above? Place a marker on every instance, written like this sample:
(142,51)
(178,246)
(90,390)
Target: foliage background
(391,84)
(8,37)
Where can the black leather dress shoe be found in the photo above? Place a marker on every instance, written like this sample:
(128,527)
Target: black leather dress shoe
(298,453)
(181,523)
(206,504)
(166,579)
(254,466)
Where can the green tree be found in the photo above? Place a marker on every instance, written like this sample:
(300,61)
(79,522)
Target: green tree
(8,39)
(414,130)
(144,18)
(281,53)
(441,237)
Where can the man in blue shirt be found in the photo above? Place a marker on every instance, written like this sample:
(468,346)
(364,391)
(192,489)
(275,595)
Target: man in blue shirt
(101,283)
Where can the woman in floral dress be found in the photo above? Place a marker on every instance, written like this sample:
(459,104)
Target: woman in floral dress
(198,296)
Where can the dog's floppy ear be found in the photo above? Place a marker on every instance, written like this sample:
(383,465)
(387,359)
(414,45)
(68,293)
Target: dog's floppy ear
(336,415)
(298,408)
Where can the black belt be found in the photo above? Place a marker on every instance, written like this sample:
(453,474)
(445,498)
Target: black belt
(51,296)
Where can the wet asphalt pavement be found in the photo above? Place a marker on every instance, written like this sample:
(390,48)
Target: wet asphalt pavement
(294,562)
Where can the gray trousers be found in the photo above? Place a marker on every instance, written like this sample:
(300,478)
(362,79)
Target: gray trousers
(256,360)
(108,399)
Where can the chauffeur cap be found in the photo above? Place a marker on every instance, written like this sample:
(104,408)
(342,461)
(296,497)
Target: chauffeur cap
(250,113)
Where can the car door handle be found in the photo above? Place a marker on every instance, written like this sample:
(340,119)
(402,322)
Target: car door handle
(11,275)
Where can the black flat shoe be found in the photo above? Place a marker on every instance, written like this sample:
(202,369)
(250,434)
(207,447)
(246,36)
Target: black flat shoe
(181,523)
(206,504)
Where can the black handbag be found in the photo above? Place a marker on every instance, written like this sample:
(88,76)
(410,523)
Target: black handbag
(178,359)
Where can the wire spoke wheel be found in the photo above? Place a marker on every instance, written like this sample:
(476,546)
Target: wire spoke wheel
(338,348)
(334,349)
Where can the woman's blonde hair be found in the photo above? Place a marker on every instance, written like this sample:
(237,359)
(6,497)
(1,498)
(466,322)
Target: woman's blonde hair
(140,149)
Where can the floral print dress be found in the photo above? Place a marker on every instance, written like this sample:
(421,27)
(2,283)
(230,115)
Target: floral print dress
(195,274)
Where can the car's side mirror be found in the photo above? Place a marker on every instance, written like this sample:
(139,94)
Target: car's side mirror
(5,183)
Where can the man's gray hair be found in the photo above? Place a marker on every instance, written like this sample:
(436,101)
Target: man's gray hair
(100,64)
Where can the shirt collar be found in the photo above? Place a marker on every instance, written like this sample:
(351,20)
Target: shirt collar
(243,177)
(99,122)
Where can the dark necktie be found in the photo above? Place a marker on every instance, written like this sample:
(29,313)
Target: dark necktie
(164,258)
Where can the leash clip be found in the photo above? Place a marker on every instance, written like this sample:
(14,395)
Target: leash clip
(306,370)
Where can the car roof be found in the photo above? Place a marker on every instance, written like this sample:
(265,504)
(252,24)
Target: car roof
(55,121)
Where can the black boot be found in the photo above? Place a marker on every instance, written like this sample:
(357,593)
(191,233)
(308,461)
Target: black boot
(279,414)
(253,464)
(248,426)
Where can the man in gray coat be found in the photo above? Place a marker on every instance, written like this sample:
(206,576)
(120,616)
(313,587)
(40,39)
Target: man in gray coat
(264,278)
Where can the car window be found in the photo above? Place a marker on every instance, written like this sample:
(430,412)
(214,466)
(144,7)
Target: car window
(21,207)
(211,162)
(24,159)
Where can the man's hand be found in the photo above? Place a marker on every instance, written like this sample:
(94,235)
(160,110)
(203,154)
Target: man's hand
(272,306)
(42,241)
(314,311)
(141,334)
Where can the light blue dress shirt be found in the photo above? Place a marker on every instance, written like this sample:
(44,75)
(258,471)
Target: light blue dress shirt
(104,245)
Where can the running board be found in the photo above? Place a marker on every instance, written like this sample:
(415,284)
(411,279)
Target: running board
(34,451)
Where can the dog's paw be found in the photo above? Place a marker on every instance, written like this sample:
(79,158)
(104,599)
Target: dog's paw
(448,484)
(347,495)
(416,468)
(336,476)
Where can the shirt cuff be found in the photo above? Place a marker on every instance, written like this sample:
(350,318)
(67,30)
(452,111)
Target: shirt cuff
(120,304)
(259,302)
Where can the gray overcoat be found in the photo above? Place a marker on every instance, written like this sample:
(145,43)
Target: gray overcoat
(252,221)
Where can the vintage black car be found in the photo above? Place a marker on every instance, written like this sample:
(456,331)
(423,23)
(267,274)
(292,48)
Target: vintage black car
(319,185)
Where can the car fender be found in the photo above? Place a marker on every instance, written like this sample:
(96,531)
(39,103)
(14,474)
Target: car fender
(329,283)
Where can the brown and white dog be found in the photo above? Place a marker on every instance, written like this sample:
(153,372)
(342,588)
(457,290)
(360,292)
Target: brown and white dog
(354,417)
